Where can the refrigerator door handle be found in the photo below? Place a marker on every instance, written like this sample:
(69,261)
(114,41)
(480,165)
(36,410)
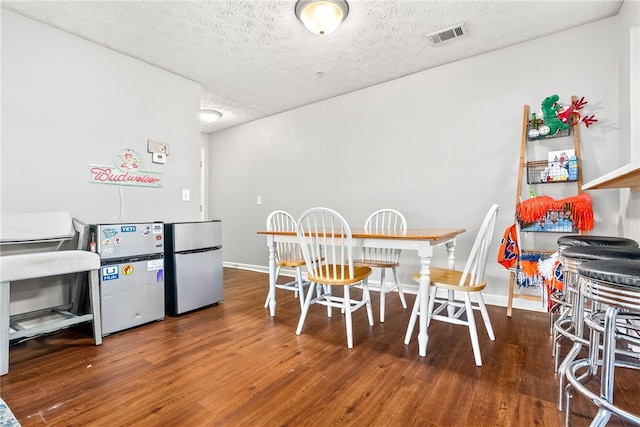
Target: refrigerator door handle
(196,251)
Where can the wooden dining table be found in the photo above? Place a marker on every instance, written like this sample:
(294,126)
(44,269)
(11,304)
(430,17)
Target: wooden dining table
(421,240)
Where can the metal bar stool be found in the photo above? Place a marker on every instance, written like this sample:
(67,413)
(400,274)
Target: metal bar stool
(573,240)
(570,241)
(615,285)
(562,306)
(572,325)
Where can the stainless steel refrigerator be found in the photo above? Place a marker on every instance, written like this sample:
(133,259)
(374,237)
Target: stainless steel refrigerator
(193,256)
(131,274)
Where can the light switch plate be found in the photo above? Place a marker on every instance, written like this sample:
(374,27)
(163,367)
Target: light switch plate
(186,195)
(159,158)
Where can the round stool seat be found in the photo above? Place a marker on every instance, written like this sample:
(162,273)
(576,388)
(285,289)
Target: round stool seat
(593,253)
(624,272)
(580,240)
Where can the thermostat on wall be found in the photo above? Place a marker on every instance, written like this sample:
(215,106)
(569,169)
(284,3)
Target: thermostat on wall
(159,158)
(157,147)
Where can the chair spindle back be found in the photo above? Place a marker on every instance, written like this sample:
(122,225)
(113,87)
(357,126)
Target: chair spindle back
(327,244)
(473,273)
(282,221)
(388,221)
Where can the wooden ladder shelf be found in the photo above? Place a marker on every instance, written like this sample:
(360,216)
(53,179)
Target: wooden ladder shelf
(522,169)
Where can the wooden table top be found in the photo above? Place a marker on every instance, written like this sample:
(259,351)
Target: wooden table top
(410,234)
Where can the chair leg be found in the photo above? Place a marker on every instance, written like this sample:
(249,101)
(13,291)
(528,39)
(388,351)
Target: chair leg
(305,309)
(400,293)
(485,316)
(578,314)
(451,309)
(266,302)
(347,316)
(562,369)
(555,351)
(608,366)
(473,332)
(433,291)
(367,296)
(412,319)
(568,396)
(383,292)
(301,287)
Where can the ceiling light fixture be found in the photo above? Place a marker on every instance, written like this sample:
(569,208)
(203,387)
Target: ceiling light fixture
(322,16)
(210,116)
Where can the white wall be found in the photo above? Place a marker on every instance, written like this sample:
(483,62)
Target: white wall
(68,103)
(441,146)
(629,203)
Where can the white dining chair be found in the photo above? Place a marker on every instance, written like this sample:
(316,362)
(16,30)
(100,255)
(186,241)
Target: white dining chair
(287,254)
(327,245)
(470,281)
(384,221)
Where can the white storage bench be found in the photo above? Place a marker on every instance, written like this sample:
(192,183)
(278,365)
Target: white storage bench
(43,235)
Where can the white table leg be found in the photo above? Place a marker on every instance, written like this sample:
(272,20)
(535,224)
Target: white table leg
(272,275)
(423,294)
(451,265)
(4,327)
(451,259)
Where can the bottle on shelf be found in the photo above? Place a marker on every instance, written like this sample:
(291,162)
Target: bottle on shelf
(533,128)
(573,168)
(92,243)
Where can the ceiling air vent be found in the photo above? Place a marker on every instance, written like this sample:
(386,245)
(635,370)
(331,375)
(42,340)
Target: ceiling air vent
(447,34)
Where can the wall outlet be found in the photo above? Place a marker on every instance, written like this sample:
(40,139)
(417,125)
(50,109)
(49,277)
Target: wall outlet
(259,200)
(186,195)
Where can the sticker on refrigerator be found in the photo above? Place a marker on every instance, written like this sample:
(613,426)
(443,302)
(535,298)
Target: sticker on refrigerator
(127,270)
(145,230)
(160,276)
(109,232)
(157,228)
(110,272)
(155,264)
(128,229)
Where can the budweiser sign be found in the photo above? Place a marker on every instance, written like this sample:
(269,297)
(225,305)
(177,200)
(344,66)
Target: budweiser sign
(126,172)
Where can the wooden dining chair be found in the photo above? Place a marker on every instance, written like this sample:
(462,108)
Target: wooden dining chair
(288,255)
(327,246)
(470,281)
(387,221)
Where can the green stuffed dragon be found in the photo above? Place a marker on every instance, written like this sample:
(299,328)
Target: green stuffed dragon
(550,108)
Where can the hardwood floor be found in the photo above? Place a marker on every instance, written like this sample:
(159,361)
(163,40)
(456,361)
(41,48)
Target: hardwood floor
(234,365)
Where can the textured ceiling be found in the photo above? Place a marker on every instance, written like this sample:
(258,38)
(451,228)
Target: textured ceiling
(254,58)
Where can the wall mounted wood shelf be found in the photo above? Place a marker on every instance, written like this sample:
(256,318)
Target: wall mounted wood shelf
(627,176)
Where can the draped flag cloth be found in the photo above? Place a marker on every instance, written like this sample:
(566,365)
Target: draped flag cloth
(509,248)
(527,274)
(551,270)
(529,268)
(578,208)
